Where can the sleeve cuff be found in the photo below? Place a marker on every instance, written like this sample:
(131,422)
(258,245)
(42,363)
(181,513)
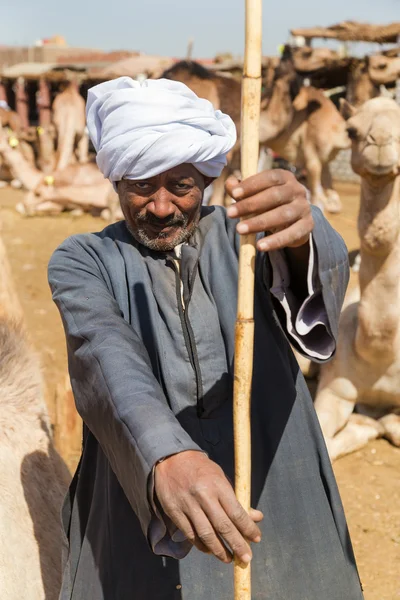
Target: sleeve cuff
(164,537)
(306,323)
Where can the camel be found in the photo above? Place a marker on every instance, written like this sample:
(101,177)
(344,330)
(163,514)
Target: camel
(311,134)
(77,187)
(70,121)
(365,371)
(384,70)
(300,124)
(33,478)
(367,77)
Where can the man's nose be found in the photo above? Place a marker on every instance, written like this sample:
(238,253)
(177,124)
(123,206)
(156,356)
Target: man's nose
(161,205)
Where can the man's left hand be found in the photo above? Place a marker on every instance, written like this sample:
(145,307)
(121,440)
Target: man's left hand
(272,202)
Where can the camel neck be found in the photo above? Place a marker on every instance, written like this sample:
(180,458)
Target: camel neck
(379,277)
(21,169)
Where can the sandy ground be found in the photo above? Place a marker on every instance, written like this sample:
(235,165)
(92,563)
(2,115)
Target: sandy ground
(369,480)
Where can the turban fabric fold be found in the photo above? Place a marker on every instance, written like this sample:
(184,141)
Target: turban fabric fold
(141,129)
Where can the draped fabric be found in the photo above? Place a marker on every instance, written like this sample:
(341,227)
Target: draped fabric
(142,129)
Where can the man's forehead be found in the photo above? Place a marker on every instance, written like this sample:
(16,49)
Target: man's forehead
(180,172)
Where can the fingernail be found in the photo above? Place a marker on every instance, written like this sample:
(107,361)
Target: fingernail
(257,539)
(246,558)
(237,192)
(242,228)
(263,245)
(232,211)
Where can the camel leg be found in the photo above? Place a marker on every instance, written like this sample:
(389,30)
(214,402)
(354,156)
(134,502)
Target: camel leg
(46,208)
(314,173)
(83,149)
(309,368)
(391,425)
(113,211)
(333,203)
(356,434)
(344,431)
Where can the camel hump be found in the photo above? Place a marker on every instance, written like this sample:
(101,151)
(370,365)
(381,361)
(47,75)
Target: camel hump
(190,68)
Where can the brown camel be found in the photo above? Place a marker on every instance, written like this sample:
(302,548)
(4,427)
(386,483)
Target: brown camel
(33,478)
(360,87)
(301,125)
(70,121)
(365,371)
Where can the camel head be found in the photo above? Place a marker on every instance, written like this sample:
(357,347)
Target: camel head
(277,103)
(360,87)
(383,69)
(374,130)
(307,59)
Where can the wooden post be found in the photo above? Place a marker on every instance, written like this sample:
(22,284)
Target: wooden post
(21,101)
(189,51)
(244,334)
(43,103)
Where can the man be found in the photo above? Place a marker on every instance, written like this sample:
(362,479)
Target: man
(149,307)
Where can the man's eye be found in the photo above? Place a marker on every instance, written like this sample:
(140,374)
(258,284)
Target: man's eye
(142,185)
(182,186)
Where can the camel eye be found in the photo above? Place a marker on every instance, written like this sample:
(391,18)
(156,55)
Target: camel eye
(352,133)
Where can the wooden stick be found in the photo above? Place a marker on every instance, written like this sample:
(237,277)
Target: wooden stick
(244,333)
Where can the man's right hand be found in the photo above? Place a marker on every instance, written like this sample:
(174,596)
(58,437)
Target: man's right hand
(195,494)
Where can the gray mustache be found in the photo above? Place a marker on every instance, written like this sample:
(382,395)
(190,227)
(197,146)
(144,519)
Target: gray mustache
(168,222)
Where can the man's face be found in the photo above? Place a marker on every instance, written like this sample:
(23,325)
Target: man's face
(163,211)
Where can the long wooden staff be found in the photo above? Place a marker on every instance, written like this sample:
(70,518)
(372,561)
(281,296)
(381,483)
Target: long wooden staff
(244,333)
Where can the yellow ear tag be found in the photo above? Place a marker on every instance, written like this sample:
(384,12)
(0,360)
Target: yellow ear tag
(13,142)
(40,130)
(49,180)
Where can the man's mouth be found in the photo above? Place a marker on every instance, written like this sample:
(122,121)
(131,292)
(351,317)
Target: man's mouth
(161,227)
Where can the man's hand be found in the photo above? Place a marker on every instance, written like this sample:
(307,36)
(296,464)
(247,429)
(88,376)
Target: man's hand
(195,494)
(273,202)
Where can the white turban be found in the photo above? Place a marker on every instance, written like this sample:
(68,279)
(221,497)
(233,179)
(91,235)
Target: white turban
(140,130)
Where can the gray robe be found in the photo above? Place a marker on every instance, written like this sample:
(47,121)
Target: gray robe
(151,379)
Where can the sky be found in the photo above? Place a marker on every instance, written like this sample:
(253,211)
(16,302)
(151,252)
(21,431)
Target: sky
(165,26)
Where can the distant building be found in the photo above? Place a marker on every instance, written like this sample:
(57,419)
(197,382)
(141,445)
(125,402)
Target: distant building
(56,50)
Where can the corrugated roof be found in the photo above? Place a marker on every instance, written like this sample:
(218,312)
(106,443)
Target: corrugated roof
(352,31)
(27,70)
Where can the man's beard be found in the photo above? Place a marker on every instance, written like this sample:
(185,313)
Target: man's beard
(163,241)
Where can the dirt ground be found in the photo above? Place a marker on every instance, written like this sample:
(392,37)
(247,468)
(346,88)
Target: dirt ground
(369,480)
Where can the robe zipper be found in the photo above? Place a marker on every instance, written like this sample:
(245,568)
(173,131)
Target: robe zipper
(189,335)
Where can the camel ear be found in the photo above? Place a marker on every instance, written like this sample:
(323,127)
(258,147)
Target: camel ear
(346,109)
(301,100)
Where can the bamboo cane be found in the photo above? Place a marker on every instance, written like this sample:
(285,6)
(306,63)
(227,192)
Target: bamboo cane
(244,332)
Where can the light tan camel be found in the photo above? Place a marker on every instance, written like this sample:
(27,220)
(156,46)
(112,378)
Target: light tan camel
(77,188)
(316,133)
(33,478)
(70,121)
(365,372)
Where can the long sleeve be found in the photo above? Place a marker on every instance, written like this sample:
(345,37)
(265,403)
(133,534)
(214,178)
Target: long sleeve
(116,392)
(311,324)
